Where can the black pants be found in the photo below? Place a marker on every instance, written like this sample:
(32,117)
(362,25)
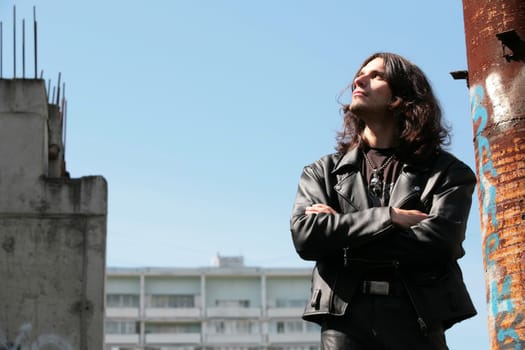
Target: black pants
(377,322)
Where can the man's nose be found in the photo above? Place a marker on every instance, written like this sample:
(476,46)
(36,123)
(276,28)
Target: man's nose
(360,81)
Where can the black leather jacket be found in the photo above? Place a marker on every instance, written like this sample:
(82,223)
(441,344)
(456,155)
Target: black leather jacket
(425,254)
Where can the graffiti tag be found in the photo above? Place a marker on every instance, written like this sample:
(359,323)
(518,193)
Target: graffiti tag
(501,307)
(43,341)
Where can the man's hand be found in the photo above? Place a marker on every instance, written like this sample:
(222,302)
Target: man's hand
(319,208)
(406,218)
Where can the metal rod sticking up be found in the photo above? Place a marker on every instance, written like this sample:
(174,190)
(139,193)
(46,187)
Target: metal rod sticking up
(48,88)
(64,128)
(63,95)
(35,40)
(14,41)
(23,48)
(58,89)
(1,48)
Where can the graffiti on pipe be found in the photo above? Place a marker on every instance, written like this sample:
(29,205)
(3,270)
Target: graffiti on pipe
(501,307)
(43,341)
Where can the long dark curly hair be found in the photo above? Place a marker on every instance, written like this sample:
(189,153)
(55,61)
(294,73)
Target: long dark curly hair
(422,130)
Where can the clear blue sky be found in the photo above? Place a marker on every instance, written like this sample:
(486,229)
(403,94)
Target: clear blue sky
(201,114)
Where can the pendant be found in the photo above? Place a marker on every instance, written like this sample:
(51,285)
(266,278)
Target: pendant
(376,185)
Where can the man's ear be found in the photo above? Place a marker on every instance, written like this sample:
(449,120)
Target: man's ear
(396,102)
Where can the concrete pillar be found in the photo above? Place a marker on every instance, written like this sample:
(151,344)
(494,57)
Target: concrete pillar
(52,235)
(264,310)
(204,306)
(56,166)
(142,310)
(495,34)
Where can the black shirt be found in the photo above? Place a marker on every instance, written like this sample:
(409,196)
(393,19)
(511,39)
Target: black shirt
(387,167)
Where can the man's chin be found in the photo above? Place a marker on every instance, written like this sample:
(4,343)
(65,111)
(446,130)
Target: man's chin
(356,109)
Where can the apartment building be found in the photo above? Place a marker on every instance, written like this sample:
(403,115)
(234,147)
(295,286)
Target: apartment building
(228,306)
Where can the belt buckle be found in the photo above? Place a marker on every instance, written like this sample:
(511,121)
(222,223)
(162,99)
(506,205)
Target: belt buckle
(376,287)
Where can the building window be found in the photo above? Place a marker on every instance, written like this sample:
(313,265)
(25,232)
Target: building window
(243,303)
(312,327)
(232,348)
(122,327)
(172,328)
(289,327)
(233,327)
(122,300)
(307,347)
(174,347)
(290,303)
(170,301)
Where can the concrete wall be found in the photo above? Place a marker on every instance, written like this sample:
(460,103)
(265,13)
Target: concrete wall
(52,232)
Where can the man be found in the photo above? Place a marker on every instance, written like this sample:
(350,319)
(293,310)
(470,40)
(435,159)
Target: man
(385,217)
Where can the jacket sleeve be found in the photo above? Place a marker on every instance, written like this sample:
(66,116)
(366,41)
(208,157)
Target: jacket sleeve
(318,236)
(441,234)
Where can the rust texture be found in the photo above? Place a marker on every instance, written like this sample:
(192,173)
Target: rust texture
(495,40)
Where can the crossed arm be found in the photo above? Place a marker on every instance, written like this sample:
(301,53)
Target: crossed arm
(320,229)
(400,217)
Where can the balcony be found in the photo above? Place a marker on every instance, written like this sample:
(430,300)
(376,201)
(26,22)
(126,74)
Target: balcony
(289,338)
(168,313)
(173,338)
(235,312)
(290,312)
(122,312)
(234,338)
(123,339)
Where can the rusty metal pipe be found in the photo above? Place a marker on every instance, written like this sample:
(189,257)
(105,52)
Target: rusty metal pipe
(495,40)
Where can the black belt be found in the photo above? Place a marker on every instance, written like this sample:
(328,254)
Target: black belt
(384,279)
(381,281)
(372,287)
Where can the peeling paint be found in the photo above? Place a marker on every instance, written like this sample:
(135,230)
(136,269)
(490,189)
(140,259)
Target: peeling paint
(500,102)
(504,317)
(497,99)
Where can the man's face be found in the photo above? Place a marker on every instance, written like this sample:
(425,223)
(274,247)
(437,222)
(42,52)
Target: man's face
(371,95)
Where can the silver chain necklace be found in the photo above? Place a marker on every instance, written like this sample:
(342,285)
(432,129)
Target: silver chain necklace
(376,182)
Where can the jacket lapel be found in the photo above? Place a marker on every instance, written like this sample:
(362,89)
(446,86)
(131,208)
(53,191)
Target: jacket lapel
(408,186)
(353,190)
(350,185)
(403,189)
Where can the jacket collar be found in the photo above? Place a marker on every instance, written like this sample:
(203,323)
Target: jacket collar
(353,189)
(353,159)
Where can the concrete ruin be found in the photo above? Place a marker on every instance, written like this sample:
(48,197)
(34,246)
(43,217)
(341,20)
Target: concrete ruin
(52,231)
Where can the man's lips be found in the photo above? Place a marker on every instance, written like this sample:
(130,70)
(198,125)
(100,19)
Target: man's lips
(358,93)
